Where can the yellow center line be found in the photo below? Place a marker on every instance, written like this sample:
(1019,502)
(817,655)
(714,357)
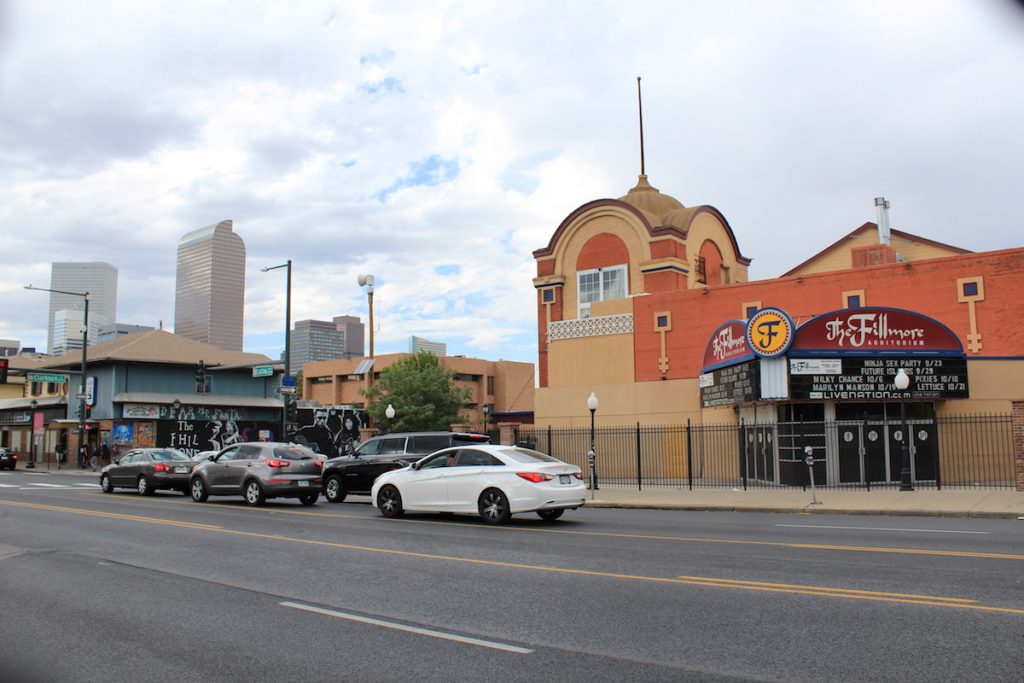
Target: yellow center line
(958,603)
(853,592)
(115,515)
(641,537)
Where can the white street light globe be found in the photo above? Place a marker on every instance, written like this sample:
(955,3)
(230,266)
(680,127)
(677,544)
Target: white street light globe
(902,380)
(390,412)
(592,401)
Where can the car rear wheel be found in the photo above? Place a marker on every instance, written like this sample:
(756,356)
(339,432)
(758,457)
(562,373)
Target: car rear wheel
(144,487)
(198,489)
(105,485)
(494,508)
(334,489)
(254,494)
(389,502)
(550,515)
(310,499)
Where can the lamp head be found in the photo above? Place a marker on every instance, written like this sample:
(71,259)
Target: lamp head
(365,279)
(592,401)
(902,380)
(390,411)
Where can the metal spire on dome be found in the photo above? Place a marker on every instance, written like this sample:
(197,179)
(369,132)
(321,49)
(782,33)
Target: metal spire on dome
(640,107)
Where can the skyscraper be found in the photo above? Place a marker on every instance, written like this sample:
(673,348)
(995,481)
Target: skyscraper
(209,299)
(97,278)
(315,340)
(353,331)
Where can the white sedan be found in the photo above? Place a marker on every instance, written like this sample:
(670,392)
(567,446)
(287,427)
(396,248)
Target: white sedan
(494,482)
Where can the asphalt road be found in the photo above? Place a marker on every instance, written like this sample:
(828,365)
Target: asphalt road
(100,587)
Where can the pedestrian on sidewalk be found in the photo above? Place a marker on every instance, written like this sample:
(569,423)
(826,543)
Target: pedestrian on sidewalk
(93,457)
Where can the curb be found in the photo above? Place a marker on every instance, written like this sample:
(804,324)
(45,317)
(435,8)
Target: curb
(809,509)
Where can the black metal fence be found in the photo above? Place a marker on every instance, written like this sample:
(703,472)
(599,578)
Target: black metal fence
(964,451)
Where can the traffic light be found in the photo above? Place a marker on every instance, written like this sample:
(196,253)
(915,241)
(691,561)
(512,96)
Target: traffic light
(201,377)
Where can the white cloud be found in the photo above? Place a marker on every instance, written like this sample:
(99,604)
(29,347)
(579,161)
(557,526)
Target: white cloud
(396,138)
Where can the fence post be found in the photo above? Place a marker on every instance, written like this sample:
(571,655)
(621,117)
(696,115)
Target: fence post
(1018,443)
(743,454)
(639,477)
(689,454)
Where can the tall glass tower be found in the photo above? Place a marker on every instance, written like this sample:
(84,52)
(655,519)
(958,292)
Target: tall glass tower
(209,301)
(97,278)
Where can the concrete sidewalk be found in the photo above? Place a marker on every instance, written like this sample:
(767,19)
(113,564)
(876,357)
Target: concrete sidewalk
(879,501)
(951,502)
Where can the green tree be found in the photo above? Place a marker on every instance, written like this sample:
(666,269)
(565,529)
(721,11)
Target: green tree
(422,393)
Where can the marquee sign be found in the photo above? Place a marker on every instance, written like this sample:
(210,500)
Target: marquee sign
(727,345)
(872,378)
(731,385)
(875,331)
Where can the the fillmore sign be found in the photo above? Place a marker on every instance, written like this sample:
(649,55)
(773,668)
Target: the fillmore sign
(875,330)
(727,345)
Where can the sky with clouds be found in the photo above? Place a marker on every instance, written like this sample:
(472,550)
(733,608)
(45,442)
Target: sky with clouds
(438,144)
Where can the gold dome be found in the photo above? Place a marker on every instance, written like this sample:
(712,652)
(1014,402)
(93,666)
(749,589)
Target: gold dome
(651,201)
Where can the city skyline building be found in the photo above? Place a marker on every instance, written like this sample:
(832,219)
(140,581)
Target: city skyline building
(116,330)
(99,279)
(353,334)
(317,340)
(209,299)
(417,344)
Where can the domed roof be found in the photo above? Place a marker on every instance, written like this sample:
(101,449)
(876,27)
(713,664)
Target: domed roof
(650,200)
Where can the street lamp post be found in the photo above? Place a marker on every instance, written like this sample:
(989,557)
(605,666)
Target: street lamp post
(287,342)
(389,413)
(81,389)
(31,464)
(367,281)
(592,455)
(901,382)
(487,411)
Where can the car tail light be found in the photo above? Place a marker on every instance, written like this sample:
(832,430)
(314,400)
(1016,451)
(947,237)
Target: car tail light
(160,467)
(14,456)
(578,475)
(319,463)
(274,462)
(535,477)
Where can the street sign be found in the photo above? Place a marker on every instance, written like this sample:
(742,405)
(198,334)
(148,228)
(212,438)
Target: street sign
(263,371)
(286,390)
(46,377)
(288,381)
(82,396)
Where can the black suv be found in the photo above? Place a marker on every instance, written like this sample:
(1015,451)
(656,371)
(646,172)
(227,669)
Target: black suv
(378,454)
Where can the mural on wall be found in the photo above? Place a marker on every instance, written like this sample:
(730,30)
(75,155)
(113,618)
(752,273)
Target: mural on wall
(195,436)
(330,430)
(124,433)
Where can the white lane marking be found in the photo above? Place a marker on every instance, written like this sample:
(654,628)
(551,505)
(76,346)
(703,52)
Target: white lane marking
(95,486)
(410,629)
(874,528)
(51,486)
(8,486)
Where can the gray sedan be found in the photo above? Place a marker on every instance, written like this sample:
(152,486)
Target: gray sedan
(146,470)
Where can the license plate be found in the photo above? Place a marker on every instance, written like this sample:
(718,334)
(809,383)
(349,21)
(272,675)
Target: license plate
(180,470)
(564,479)
(303,483)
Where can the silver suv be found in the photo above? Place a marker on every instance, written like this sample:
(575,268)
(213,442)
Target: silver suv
(258,471)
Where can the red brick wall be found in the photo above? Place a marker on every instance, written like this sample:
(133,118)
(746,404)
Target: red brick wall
(602,250)
(926,287)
